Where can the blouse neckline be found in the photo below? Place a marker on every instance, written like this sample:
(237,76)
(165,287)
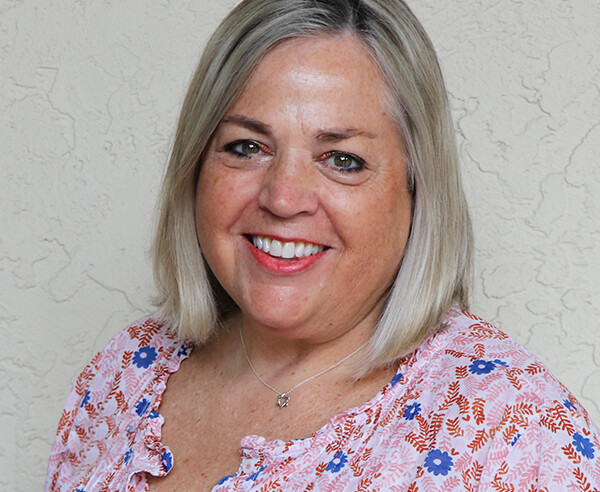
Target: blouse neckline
(255,448)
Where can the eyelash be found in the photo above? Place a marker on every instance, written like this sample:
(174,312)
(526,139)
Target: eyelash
(232,148)
(336,153)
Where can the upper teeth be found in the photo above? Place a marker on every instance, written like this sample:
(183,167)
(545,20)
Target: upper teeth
(285,249)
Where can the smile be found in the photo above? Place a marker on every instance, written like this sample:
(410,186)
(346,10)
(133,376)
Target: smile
(284,249)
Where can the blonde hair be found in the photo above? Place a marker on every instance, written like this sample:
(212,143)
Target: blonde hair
(435,269)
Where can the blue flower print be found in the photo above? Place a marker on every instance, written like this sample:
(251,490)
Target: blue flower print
(500,362)
(481,366)
(153,414)
(337,463)
(569,405)
(515,439)
(128,455)
(438,462)
(167,461)
(225,478)
(144,357)
(396,378)
(86,399)
(412,411)
(254,476)
(80,489)
(183,351)
(142,406)
(583,445)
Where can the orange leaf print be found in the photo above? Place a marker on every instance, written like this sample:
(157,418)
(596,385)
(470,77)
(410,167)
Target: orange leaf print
(571,453)
(510,375)
(481,437)
(454,428)
(126,360)
(461,372)
(120,398)
(478,406)
(358,470)
(582,481)
(549,424)
(534,368)
(463,404)
(479,350)
(509,433)
(561,418)
(363,485)
(502,487)
(451,396)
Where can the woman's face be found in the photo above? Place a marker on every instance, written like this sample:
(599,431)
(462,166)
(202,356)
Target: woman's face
(303,209)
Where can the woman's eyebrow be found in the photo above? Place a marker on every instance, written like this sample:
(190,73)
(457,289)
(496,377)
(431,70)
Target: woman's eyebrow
(339,134)
(249,123)
(325,136)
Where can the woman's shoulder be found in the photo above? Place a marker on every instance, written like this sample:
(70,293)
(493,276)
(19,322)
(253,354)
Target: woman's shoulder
(475,373)
(118,390)
(145,332)
(482,358)
(135,356)
(477,401)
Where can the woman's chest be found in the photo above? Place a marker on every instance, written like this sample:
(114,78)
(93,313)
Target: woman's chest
(206,435)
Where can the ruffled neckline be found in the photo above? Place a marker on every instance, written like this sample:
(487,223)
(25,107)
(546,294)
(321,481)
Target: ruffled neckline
(154,457)
(257,448)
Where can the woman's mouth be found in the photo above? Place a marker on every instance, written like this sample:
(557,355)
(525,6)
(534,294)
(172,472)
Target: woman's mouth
(288,250)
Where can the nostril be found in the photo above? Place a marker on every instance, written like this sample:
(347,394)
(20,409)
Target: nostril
(289,187)
(288,201)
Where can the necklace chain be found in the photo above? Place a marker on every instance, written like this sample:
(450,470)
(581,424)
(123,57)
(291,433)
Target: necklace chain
(283,398)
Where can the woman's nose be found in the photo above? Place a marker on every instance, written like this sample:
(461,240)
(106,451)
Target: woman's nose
(289,187)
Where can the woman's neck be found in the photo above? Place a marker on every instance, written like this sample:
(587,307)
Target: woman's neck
(283,360)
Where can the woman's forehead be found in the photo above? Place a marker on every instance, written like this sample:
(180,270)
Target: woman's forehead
(313,76)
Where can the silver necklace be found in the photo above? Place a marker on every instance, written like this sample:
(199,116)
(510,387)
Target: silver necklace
(283,398)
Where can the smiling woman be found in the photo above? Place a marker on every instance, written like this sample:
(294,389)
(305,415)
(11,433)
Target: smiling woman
(312,259)
(290,191)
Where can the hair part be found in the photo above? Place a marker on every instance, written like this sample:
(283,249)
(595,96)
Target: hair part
(435,272)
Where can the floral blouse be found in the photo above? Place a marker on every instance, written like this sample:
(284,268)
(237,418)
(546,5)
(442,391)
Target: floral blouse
(470,410)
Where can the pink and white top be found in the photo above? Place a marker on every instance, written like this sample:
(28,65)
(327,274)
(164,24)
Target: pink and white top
(471,409)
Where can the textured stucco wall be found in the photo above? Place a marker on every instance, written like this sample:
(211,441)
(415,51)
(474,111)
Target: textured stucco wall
(90,92)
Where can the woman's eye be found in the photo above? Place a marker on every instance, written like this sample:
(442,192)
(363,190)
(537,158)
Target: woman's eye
(341,161)
(245,148)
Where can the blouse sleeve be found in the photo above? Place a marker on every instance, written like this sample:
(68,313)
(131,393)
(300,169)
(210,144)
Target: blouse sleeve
(110,427)
(78,398)
(558,449)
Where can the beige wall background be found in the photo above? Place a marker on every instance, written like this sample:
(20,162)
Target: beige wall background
(90,91)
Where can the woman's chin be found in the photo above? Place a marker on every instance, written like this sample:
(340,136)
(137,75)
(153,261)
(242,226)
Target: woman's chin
(281,314)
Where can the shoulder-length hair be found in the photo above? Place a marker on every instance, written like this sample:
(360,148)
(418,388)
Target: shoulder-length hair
(435,269)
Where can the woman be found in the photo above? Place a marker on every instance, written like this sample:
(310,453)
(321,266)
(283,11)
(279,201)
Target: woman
(312,259)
